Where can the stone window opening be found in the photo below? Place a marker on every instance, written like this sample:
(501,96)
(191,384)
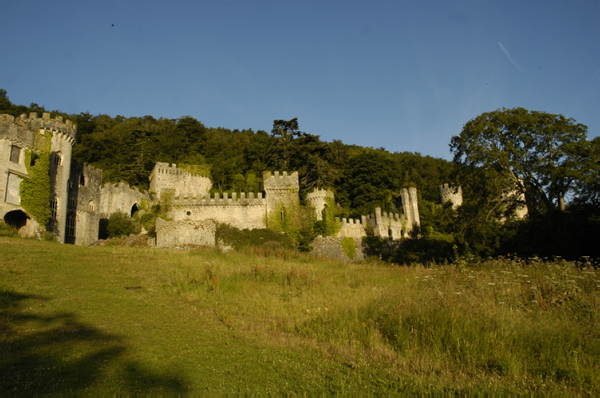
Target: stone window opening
(53,208)
(91,206)
(189,213)
(82,180)
(57,159)
(15,154)
(73,202)
(134,209)
(70,229)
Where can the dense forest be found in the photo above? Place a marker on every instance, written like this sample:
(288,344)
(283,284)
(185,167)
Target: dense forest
(126,149)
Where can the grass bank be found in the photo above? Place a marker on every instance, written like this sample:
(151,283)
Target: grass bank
(114,319)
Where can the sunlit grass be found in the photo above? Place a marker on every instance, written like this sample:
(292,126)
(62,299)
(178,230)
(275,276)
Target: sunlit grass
(504,325)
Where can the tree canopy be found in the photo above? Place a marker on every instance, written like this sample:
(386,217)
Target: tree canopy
(538,154)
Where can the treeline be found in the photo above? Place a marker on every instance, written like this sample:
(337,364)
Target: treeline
(493,182)
(126,149)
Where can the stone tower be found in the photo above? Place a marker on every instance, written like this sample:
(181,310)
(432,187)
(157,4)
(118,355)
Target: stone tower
(182,182)
(281,190)
(17,134)
(318,199)
(410,204)
(452,194)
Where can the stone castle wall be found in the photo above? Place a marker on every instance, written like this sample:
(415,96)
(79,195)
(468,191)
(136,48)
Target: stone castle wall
(246,211)
(182,182)
(185,233)
(121,198)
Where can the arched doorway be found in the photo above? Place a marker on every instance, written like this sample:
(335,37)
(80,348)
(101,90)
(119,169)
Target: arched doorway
(134,209)
(16,219)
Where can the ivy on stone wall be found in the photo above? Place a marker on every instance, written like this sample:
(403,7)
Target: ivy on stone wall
(349,247)
(331,225)
(35,190)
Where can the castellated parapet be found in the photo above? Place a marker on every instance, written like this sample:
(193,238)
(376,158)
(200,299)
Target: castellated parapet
(387,225)
(318,199)
(352,228)
(165,176)
(246,211)
(449,193)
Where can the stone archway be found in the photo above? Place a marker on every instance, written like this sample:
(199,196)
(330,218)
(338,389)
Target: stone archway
(134,209)
(16,219)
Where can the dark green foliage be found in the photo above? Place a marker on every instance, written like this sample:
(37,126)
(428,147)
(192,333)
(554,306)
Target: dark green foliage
(240,239)
(570,234)
(370,180)
(539,155)
(120,224)
(425,250)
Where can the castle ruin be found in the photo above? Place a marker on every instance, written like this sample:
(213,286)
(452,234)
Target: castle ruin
(79,202)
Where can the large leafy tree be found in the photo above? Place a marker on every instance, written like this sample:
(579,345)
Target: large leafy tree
(538,154)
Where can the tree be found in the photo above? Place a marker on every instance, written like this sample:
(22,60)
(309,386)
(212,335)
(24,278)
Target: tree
(539,154)
(284,132)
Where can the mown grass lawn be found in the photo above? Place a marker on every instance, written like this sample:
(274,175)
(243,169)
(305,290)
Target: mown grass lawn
(115,319)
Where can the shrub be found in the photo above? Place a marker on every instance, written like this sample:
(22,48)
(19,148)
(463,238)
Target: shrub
(120,224)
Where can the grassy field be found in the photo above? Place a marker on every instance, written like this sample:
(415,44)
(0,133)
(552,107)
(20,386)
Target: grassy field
(117,319)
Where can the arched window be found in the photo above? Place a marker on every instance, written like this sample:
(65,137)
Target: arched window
(53,207)
(82,180)
(91,206)
(134,209)
(70,230)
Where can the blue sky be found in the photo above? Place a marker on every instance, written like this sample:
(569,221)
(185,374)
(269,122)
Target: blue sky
(404,75)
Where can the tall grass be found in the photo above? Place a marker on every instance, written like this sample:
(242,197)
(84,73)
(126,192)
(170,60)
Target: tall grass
(503,324)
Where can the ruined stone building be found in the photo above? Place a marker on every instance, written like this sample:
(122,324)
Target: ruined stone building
(78,201)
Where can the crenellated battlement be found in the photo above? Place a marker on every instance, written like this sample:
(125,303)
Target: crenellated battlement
(319,194)
(281,180)
(345,222)
(244,199)
(66,129)
(449,193)
(387,225)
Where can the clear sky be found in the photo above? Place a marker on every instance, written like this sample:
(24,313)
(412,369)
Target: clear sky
(404,75)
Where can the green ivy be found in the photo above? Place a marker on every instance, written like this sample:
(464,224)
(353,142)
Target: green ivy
(331,225)
(35,190)
(349,248)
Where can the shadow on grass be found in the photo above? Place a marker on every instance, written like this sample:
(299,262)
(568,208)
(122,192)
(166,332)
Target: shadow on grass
(59,354)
